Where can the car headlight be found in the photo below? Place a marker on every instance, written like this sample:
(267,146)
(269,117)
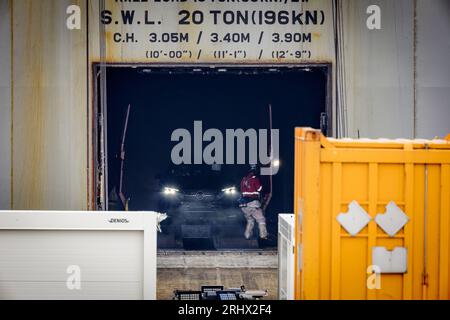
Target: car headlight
(230,190)
(170,191)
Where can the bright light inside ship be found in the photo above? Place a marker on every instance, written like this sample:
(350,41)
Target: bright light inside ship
(276,163)
(170,191)
(230,190)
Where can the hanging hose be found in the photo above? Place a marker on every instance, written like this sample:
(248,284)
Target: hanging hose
(122,160)
(268,196)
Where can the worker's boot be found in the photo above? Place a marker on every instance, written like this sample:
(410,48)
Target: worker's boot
(249,229)
(262,230)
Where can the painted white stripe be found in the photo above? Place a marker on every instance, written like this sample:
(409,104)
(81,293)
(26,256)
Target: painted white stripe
(245,193)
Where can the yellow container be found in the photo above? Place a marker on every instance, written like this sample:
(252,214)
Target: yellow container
(399,191)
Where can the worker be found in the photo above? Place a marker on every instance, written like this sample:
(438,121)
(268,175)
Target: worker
(250,203)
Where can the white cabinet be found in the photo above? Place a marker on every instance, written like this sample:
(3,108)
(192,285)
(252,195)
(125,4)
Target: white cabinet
(77,255)
(286,242)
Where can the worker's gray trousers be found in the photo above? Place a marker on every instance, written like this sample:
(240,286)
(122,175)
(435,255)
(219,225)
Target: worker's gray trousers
(253,212)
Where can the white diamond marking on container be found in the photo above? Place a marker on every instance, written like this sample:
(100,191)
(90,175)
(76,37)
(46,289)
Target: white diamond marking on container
(355,219)
(393,220)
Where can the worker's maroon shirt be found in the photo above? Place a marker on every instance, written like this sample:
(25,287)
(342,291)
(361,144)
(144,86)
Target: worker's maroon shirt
(251,186)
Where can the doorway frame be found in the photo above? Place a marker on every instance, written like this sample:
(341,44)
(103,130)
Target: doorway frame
(98,130)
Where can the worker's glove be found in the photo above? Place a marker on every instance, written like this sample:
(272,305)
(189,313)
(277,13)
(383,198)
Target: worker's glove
(242,202)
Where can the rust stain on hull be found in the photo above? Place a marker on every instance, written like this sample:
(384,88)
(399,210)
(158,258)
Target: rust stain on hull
(48,134)
(28,117)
